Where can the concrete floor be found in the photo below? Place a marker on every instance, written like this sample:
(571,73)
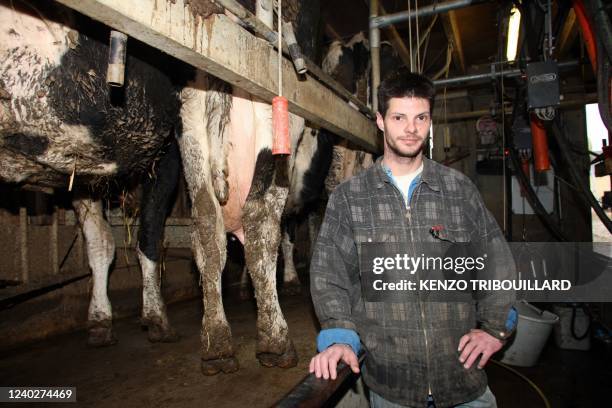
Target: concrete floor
(136,373)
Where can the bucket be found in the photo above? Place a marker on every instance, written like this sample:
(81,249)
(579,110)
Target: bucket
(563,331)
(534,327)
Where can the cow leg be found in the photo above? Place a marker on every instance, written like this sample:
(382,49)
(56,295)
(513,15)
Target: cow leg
(209,241)
(208,235)
(156,201)
(100,253)
(261,220)
(291,281)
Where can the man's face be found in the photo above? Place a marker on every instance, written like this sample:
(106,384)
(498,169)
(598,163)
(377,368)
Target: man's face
(405,125)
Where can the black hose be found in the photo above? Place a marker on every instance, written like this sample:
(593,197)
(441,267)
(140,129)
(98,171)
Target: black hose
(22,297)
(600,22)
(603,87)
(586,191)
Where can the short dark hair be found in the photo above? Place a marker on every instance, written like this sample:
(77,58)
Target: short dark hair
(403,83)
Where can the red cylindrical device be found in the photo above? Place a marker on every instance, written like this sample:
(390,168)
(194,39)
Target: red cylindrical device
(540,145)
(280,122)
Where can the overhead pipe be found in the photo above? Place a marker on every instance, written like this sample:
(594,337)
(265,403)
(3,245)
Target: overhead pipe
(399,44)
(374,54)
(493,74)
(566,104)
(437,8)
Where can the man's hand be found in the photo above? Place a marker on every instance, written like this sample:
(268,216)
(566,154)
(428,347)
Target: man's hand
(324,364)
(475,343)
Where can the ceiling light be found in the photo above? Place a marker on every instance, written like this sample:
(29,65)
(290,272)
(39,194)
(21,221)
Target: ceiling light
(514,26)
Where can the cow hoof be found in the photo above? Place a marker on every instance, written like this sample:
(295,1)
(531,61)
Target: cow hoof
(101,337)
(286,360)
(227,365)
(291,289)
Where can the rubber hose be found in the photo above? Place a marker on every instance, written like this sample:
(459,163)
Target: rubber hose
(603,87)
(586,191)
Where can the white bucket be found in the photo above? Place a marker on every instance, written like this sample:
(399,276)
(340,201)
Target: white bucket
(532,331)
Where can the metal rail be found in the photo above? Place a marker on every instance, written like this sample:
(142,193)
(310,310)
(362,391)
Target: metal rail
(313,392)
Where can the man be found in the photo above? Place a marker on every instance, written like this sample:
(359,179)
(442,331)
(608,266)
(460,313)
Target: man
(417,352)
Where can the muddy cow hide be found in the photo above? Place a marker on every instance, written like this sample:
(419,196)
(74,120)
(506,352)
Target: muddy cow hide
(237,186)
(322,159)
(60,121)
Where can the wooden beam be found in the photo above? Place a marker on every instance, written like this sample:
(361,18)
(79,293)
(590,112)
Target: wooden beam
(568,34)
(451,28)
(222,48)
(396,40)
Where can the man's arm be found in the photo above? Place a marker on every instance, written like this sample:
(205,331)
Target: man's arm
(495,313)
(334,282)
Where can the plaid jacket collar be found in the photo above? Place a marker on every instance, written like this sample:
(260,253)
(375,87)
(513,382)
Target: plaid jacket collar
(429,176)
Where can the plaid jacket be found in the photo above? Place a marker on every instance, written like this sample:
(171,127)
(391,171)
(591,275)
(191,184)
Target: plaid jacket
(411,346)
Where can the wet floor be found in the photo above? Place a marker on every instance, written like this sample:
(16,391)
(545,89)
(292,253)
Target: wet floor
(136,373)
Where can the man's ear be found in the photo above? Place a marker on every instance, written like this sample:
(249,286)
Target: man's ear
(380,121)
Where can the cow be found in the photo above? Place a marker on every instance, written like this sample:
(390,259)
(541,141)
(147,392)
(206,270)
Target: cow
(62,127)
(322,159)
(237,186)
(349,64)
(60,123)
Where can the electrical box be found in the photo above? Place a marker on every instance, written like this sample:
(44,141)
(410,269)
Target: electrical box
(542,84)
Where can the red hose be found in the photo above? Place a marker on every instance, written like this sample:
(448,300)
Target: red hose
(540,145)
(587,32)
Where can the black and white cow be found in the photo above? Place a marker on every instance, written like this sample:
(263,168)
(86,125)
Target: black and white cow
(59,120)
(322,160)
(61,124)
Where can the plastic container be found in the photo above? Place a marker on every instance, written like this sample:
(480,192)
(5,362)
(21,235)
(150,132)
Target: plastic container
(563,331)
(534,327)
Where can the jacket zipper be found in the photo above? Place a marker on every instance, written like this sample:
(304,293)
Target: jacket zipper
(409,217)
(421,308)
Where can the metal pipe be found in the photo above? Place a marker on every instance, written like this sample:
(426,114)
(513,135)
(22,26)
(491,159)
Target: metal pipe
(294,49)
(399,44)
(383,21)
(115,74)
(252,23)
(493,74)
(375,55)
(314,392)
(567,104)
